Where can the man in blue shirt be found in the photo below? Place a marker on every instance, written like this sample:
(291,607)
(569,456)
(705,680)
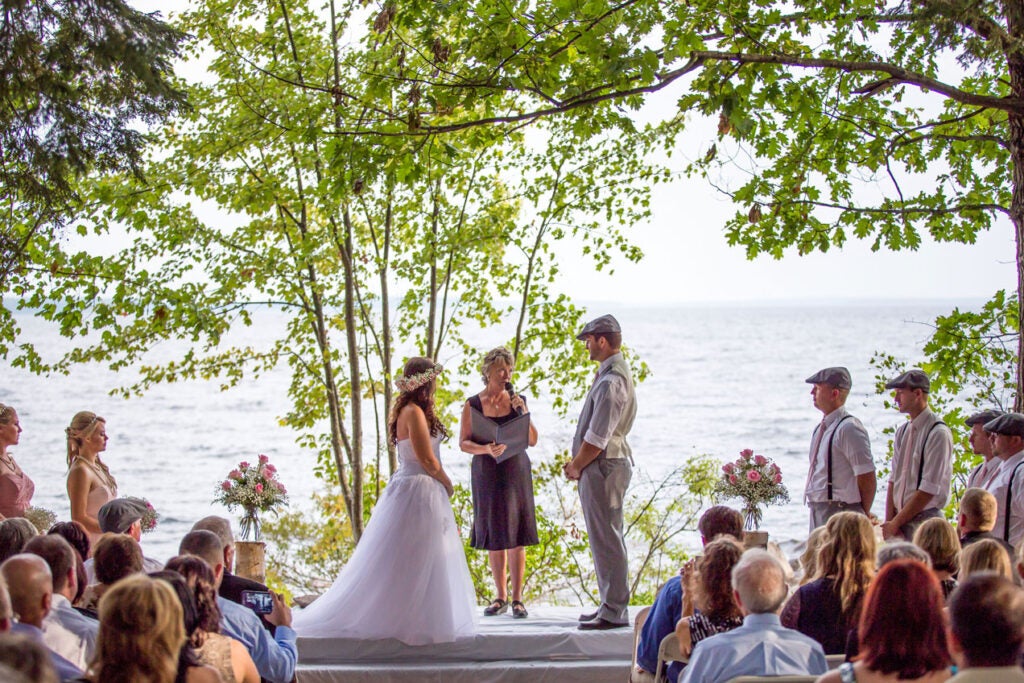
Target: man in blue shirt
(762,646)
(668,605)
(275,656)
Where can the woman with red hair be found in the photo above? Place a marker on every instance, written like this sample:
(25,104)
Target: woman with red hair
(902,630)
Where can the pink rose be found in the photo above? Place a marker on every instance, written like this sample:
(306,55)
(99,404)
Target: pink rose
(777,479)
(264,459)
(259,488)
(244,464)
(760,460)
(754,475)
(234,474)
(774,469)
(280,487)
(270,470)
(728,468)
(746,454)
(733,479)
(226,485)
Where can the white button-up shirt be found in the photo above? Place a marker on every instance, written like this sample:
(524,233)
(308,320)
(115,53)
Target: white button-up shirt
(937,472)
(982,474)
(851,457)
(1000,487)
(70,633)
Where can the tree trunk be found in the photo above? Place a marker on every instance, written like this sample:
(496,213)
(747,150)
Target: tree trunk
(1014,11)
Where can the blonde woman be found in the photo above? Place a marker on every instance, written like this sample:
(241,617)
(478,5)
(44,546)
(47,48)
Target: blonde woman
(828,608)
(16,488)
(90,483)
(938,538)
(503,516)
(141,634)
(986,555)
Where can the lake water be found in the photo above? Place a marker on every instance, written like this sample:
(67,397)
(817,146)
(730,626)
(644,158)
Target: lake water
(723,378)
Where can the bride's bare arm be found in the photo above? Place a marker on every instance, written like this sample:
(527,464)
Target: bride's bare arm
(419,437)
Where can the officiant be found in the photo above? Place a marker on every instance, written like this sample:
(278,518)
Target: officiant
(496,429)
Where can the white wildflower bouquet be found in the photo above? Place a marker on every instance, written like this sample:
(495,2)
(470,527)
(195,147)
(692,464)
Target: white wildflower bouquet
(754,479)
(255,488)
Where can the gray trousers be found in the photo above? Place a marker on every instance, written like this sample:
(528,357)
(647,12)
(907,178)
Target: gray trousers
(908,529)
(821,512)
(602,487)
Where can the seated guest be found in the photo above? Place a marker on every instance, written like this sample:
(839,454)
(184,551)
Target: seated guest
(141,636)
(225,654)
(938,538)
(14,534)
(977,516)
(22,658)
(987,555)
(65,630)
(667,609)
(116,556)
(123,516)
(75,534)
(901,632)
(30,587)
(809,557)
(762,646)
(231,586)
(188,658)
(827,608)
(986,630)
(716,609)
(275,656)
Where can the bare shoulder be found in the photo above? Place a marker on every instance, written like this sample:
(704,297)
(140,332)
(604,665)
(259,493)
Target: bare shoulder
(830,677)
(203,674)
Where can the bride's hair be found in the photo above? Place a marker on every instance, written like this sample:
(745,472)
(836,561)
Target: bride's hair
(421,396)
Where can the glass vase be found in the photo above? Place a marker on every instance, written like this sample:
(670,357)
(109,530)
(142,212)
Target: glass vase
(249,525)
(751,518)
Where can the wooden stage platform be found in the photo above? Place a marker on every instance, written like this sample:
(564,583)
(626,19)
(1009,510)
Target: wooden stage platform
(545,647)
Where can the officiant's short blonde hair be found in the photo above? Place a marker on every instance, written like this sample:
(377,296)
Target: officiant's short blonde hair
(493,356)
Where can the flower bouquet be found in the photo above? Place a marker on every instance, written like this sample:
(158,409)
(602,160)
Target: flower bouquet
(149,518)
(757,481)
(254,488)
(41,518)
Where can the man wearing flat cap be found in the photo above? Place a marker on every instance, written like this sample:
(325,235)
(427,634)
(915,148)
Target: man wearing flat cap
(922,459)
(841,475)
(1008,484)
(602,464)
(981,444)
(123,516)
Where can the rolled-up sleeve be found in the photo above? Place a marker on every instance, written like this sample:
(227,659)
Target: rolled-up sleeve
(609,397)
(854,443)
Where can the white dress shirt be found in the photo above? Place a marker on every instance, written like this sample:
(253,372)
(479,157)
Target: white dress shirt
(1000,487)
(937,472)
(70,633)
(851,457)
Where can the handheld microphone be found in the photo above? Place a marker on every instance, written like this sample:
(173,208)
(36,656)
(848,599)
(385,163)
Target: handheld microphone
(511,395)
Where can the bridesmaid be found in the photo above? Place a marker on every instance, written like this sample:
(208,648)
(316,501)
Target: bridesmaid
(503,514)
(90,483)
(16,488)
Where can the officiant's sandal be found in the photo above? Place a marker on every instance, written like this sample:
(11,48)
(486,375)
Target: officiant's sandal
(497,606)
(519,610)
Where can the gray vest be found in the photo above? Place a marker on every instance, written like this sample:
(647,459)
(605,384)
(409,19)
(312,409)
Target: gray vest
(617,446)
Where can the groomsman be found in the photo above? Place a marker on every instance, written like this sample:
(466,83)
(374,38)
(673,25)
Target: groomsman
(602,464)
(1008,484)
(841,475)
(981,444)
(922,460)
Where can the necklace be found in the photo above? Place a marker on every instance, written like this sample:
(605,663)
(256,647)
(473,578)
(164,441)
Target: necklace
(8,460)
(105,477)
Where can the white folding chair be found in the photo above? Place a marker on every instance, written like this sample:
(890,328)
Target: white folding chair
(668,651)
(773,679)
(638,625)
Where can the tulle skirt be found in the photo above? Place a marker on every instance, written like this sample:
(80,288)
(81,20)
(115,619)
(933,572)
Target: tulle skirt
(407,578)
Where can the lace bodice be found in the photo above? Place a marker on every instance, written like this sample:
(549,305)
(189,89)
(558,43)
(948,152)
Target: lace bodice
(408,463)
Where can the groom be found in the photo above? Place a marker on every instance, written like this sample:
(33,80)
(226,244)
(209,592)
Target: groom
(602,463)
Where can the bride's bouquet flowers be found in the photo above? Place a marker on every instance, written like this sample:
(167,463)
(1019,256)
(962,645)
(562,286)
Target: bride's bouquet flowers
(754,479)
(41,518)
(255,488)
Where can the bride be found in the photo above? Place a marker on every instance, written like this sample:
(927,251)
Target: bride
(407,578)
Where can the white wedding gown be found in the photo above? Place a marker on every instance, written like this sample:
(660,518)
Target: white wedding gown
(407,578)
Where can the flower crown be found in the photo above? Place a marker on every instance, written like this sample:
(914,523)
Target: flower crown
(414,382)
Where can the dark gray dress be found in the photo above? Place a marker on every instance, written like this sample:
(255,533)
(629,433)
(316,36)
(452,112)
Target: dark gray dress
(503,515)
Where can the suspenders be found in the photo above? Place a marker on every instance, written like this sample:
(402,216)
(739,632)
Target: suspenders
(831,438)
(1009,501)
(924,442)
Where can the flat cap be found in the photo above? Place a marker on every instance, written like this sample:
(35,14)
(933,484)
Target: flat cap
(911,379)
(837,377)
(983,417)
(1008,424)
(117,515)
(606,324)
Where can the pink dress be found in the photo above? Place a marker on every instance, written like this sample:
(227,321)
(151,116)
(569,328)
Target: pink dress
(103,491)
(16,491)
